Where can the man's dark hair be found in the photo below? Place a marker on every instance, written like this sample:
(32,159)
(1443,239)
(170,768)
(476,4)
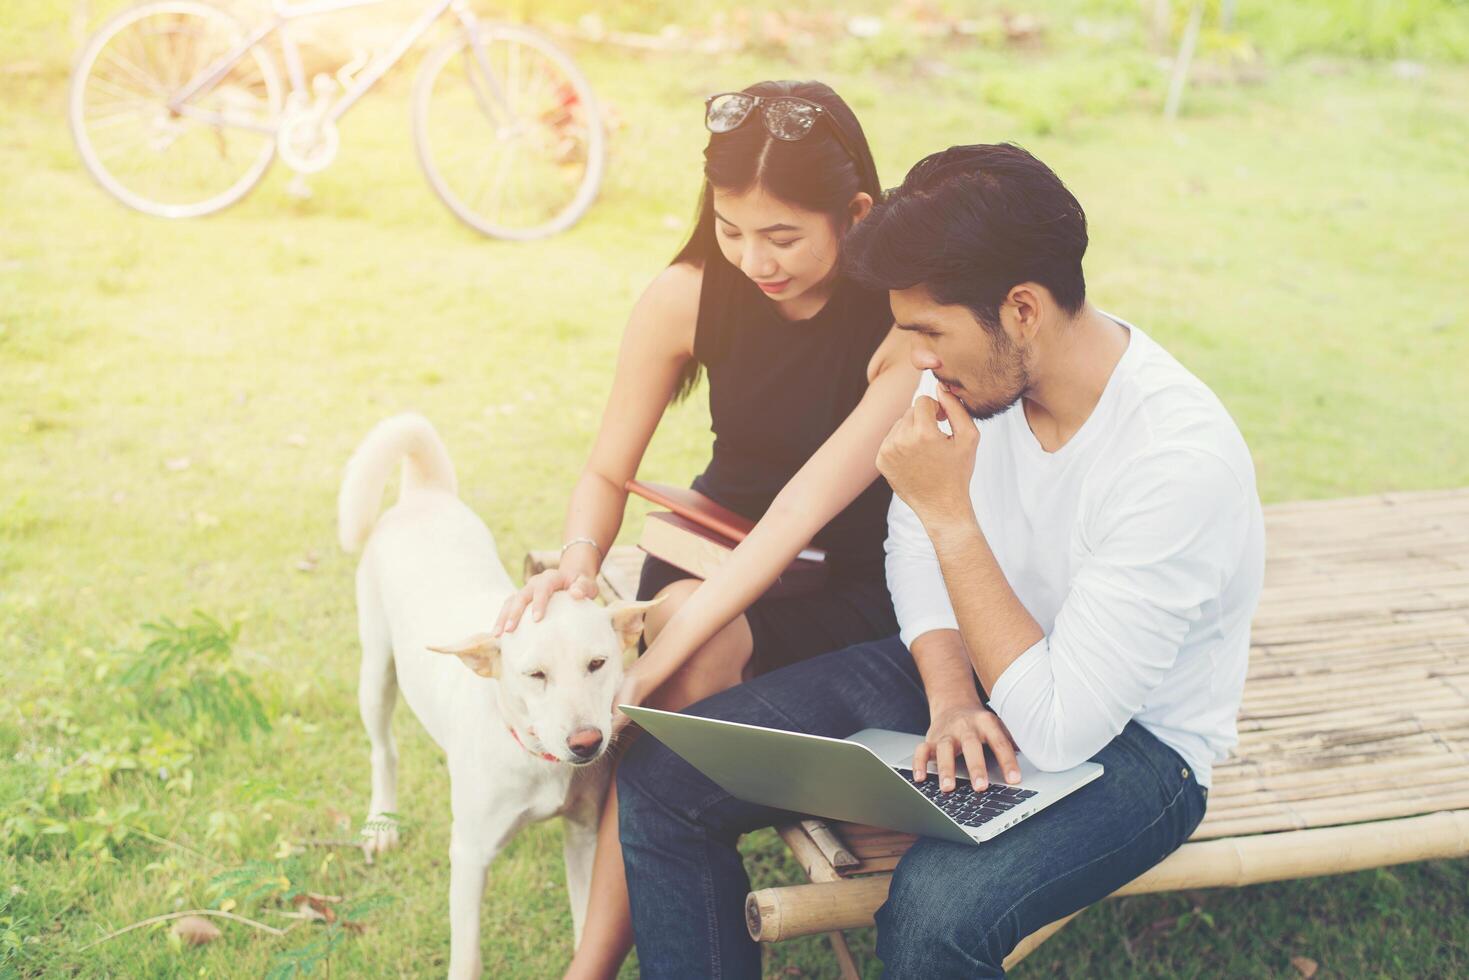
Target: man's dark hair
(971,223)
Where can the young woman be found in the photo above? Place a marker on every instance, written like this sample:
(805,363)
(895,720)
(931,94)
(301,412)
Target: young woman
(806,376)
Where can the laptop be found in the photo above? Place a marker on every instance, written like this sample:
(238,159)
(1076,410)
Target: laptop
(865,778)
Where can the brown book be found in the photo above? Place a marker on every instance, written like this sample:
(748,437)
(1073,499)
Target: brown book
(693,506)
(699,551)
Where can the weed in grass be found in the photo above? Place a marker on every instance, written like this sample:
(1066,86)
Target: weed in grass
(177,696)
(186,677)
(15,926)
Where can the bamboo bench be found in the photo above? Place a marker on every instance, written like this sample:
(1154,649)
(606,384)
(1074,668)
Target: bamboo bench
(1354,732)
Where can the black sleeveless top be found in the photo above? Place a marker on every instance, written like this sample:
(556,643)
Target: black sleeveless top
(777,389)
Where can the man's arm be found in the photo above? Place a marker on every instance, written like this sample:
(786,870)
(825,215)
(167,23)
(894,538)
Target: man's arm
(915,580)
(1171,538)
(1163,547)
(959,724)
(995,625)
(941,571)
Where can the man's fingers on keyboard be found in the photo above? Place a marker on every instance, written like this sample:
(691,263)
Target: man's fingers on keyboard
(974,762)
(946,763)
(1004,750)
(920,761)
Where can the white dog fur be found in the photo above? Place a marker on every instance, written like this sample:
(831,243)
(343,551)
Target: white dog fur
(429,583)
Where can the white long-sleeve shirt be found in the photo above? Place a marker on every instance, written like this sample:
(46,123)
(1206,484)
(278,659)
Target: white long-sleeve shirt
(1138,547)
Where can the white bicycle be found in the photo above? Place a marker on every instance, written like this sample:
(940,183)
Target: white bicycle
(177,110)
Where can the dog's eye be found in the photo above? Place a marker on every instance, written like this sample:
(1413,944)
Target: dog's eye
(537,675)
(596,665)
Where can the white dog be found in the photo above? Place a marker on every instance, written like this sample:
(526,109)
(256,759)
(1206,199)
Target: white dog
(523,723)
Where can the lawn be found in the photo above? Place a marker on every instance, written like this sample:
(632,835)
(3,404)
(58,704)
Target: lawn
(177,401)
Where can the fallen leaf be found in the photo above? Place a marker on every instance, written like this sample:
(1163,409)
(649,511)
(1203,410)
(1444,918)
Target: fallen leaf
(314,906)
(1153,931)
(195,930)
(1305,966)
(305,911)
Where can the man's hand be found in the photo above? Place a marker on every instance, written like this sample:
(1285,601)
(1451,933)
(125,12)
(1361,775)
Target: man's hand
(965,729)
(931,471)
(537,592)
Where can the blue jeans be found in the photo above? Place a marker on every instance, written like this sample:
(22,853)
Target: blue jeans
(954,910)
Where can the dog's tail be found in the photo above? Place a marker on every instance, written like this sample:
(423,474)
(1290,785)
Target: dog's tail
(426,466)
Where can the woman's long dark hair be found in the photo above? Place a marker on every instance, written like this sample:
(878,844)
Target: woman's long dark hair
(815,173)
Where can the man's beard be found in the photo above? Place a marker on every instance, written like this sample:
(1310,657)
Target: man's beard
(1006,376)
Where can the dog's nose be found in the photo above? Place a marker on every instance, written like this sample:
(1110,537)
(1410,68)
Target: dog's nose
(585,742)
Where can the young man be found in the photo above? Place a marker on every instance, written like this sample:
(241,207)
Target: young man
(1084,543)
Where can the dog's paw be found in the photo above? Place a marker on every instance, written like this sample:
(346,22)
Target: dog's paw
(379,834)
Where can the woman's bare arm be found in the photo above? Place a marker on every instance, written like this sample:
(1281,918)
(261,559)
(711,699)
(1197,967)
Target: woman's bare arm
(842,468)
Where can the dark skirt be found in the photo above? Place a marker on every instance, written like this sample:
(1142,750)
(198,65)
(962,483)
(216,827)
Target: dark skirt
(794,628)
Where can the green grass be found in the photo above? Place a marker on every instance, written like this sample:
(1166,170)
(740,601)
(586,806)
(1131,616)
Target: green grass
(1298,243)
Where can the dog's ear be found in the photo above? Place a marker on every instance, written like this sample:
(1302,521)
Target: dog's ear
(480,653)
(627,619)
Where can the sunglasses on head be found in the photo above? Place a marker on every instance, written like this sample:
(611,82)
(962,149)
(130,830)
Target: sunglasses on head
(786,117)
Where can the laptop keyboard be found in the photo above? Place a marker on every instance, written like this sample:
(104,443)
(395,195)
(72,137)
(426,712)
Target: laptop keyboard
(964,805)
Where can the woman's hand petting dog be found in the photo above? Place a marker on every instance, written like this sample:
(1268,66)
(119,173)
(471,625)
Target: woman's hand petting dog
(537,592)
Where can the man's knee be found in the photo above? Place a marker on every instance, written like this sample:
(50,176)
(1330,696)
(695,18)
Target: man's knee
(939,918)
(923,890)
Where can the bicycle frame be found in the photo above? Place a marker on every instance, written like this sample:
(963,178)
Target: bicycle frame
(286,12)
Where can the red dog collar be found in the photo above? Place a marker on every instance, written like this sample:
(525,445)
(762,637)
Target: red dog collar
(544,755)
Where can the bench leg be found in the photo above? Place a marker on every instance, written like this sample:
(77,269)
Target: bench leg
(1032,942)
(845,961)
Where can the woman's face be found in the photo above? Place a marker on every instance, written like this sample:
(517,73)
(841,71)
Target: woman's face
(787,251)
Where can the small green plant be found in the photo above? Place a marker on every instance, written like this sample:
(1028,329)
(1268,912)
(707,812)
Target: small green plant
(168,701)
(186,675)
(13,926)
(302,960)
(255,880)
(291,881)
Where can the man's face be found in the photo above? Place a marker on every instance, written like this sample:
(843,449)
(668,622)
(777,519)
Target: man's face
(984,369)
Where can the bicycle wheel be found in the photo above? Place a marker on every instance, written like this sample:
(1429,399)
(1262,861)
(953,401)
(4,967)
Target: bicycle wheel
(517,151)
(173,161)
